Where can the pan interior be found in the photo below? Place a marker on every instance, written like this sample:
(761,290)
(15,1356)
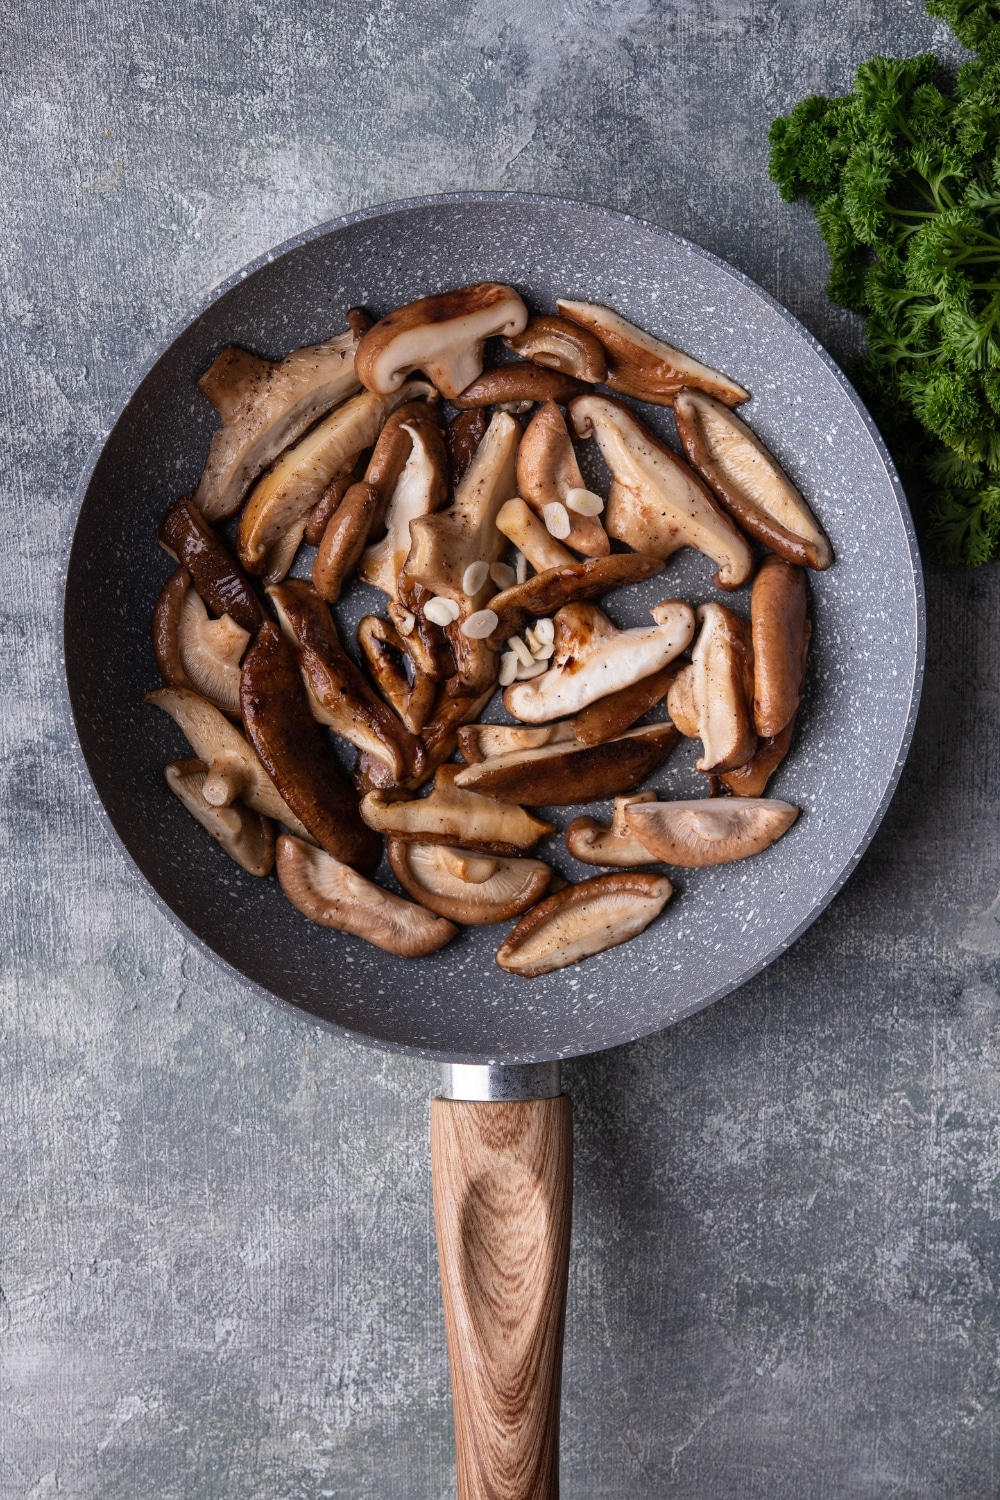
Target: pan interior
(724,924)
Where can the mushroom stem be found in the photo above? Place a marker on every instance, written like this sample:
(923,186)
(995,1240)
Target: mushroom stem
(520,525)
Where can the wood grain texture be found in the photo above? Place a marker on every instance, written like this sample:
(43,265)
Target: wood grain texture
(503,1186)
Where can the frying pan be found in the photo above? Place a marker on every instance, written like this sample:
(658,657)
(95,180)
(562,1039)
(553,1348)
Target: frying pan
(501,1134)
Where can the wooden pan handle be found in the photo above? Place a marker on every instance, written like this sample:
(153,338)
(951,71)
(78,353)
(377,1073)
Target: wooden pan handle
(503,1190)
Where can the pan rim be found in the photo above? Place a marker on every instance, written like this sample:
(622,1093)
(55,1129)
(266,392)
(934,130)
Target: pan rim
(403,205)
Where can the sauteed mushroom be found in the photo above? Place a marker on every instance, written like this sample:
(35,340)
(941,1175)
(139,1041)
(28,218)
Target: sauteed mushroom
(186,536)
(711,699)
(233,768)
(612,715)
(570,583)
(749,481)
(548,474)
(567,773)
(475,889)
(479,742)
(517,383)
(332,894)
(293,750)
(329,501)
(246,837)
(593,844)
(519,524)
(416,432)
(709,830)
(559,344)
(657,504)
(582,920)
(593,658)
(644,367)
(339,694)
(781,634)
(463,436)
(194,651)
(444,546)
(264,406)
(451,815)
(274,519)
(751,780)
(441,335)
(385,653)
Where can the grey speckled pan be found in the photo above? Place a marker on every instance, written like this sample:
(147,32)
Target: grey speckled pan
(854,730)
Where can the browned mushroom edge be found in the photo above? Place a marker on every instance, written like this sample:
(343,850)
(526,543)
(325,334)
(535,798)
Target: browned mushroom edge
(330,893)
(569,583)
(294,752)
(709,830)
(582,920)
(749,481)
(450,815)
(520,381)
(569,774)
(559,344)
(187,537)
(442,335)
(473,889)
(547,470)
(781,632)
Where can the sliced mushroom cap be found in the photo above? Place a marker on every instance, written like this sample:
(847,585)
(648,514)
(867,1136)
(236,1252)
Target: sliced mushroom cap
(559,344)
(233,768)
(519,524)
(566,774)
(441,335)
(709,830)
(644,367)
(749,481)
(612,715)
(164,628)
(593,844)
(751,780)
(246,837)
(572,583)
(479,742)
(187,537)
(781,634)
(332,894)
(547,471)
(266,407)
(207,650)
(475,889)
(593,658)
(463,435)
(418,489)
(455,707)
(274,519)
(657,504)
(583,920)
(711,699)
(329,501)
(450,815)
(383,648)
(518,382)
(295,753)
(340,696)
(443,546)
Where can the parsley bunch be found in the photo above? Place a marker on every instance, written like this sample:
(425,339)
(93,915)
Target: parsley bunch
(904,179)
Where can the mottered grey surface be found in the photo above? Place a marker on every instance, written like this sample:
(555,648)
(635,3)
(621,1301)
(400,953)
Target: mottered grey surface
(217,1262)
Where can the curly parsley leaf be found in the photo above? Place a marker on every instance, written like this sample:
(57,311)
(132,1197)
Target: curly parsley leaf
(903,176)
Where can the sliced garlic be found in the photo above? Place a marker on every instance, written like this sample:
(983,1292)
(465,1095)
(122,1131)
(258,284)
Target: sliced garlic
(545,630)
(584,502)
(480,625)
(524,674)
(508,668)
(543,650)
(521,568)
(503,576)
(406,623)
(521,651)
(441,611)
(556,518)
(474,577)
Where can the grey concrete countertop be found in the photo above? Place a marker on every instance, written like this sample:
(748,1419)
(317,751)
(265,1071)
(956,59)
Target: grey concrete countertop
(217,1263)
